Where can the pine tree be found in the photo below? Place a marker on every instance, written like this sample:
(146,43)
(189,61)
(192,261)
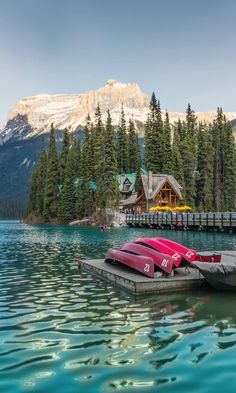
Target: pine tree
(189,155)
(32,208)
(177,162)
(229,170)
(67,197)
(74,155)
(87,165)
(98,145)
(167,150)
(68,192)
(85,204)
(204,183)
(82,199)
(134,153)
(122,145)
(42,173)
(154,138)
(51,196)
(64,153)
(106,190)
(217,137)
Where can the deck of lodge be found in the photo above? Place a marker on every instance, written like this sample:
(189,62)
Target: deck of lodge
(224,222)
(137,283)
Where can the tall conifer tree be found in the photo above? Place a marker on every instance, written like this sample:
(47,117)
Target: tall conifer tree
(85,197)
(218,135)
(189,155)
(122,144)
(177,162)
(134,153)
(229,170)
(106,188)
(167,150)
(51,196)
(98,145)
(154,138)
(64,153)
(204,183)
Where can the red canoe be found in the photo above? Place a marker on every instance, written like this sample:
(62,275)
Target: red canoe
(188,253)
(163,262)
(143,264)
(208,258)
(177,257)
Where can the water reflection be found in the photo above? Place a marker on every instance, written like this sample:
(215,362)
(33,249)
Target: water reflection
(62,329)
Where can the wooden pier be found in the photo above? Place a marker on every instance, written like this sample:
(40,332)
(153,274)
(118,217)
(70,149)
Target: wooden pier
(138,284)
(224,222)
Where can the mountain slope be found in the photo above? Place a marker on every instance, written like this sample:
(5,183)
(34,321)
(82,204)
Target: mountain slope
(37,113)
(28,123)
(32,116)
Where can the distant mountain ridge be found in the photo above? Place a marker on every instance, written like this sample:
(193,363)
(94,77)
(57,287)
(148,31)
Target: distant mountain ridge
(26,131)
(32,116)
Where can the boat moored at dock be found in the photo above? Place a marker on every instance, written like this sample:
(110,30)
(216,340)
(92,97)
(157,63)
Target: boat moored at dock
(221,275)
(151,255)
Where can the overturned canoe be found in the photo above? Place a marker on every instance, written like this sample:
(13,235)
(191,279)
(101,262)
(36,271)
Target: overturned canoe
(140,263)
(188,253)
(163,262)
(148,255)
(162,248)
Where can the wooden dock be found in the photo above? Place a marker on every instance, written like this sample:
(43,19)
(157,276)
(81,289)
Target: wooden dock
(224,222)
(137,283)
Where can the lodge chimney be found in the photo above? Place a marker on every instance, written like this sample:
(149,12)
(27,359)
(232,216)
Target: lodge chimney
(149,182)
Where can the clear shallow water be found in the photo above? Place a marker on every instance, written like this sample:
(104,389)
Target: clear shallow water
(63,330)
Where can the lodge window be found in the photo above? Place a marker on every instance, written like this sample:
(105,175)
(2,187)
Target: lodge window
(126,185)
(163,195)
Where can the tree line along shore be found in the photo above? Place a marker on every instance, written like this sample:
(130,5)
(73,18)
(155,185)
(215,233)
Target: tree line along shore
(80,180)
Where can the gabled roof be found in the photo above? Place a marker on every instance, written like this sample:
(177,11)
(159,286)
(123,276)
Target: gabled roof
(158,181)
(131,178)
(132,199)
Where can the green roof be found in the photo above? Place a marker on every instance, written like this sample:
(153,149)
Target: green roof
(126,177)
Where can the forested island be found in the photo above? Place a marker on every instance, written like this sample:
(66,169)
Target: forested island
(80,180)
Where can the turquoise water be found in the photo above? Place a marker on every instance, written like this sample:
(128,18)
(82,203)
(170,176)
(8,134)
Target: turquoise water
(62,330)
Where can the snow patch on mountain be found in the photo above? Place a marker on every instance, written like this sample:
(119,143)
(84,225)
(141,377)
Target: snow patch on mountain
(33,115)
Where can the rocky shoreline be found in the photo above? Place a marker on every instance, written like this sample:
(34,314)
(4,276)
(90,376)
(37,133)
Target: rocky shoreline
(116,219)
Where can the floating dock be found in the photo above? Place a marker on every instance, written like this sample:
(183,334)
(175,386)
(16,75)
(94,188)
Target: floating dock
(136,283)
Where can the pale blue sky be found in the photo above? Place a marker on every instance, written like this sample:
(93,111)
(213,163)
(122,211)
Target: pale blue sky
(184,50)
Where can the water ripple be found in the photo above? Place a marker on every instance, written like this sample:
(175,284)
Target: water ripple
(62,329)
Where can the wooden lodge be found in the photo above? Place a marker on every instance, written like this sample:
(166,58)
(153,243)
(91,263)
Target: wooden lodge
(153,190)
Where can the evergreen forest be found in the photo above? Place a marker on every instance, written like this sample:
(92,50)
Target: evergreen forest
(80,178)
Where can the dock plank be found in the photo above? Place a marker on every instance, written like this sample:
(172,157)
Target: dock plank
(137,283)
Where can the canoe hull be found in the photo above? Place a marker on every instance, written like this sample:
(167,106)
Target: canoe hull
(188,253)
(142,264)
(162,261)
(177,257)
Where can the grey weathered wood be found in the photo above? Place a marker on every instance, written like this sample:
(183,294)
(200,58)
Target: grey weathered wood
(139,284)
(200,221)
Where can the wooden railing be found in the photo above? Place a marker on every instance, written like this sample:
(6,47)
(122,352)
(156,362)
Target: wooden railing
(204,221)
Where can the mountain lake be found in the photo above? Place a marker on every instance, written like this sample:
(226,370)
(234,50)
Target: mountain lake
(66,331)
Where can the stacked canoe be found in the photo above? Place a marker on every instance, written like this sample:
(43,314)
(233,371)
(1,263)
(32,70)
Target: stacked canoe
(151,255)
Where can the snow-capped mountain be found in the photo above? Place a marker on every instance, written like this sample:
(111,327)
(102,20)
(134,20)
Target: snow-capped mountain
(32,116)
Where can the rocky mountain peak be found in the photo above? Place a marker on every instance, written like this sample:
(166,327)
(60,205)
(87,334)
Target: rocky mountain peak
(67,110)
(34,115)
